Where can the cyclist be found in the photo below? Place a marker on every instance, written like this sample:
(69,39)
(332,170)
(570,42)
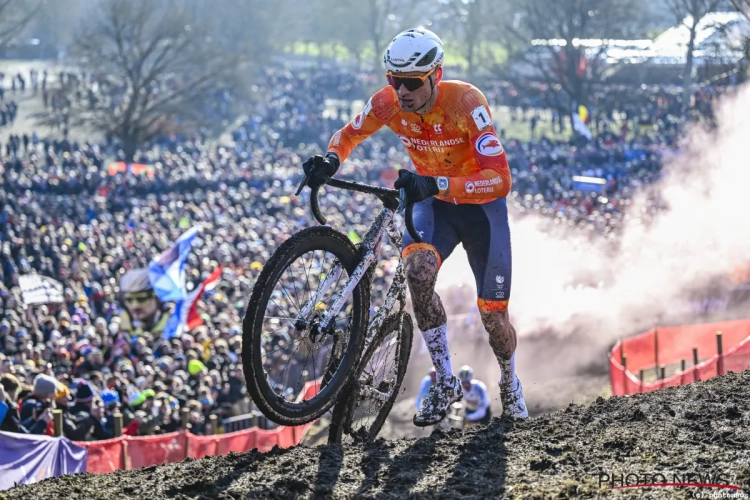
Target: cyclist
(459,193)
(424,387)
(476,399)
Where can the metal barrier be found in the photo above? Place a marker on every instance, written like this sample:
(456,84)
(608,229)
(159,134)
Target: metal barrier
(246,421)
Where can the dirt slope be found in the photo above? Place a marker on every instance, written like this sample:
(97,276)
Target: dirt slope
(702,429)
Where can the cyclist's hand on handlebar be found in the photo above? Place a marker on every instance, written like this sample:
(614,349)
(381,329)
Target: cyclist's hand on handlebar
(417,187)
(318,168)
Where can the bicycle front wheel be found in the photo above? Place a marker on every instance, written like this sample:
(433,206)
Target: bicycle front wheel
(294,370)
(360,414)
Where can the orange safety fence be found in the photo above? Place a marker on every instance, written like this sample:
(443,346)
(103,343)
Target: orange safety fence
(129,452)
(670,345)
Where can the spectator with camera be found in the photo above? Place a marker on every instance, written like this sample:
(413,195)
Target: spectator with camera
(36,410)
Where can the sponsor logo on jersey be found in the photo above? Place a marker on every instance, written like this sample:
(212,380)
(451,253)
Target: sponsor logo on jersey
(488,182)
(438,144)
(442,183)
(431,146)
(360,118)
(416,128)
(469,187)
(489,145)
(438,128)
(337,138)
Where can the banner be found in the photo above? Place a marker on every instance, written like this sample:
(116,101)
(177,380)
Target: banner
(145,451)
(593,184)
(26,459)
(38,289)
(104,456)
(202,446)
(121,167)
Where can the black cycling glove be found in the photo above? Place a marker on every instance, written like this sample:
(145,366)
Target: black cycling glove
(417,187)
(318,168)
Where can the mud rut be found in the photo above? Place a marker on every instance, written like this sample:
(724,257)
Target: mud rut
(701,428)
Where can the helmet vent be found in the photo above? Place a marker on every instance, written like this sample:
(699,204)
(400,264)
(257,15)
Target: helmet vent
(428,57)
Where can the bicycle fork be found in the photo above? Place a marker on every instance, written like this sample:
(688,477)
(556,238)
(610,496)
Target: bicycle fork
(373,241)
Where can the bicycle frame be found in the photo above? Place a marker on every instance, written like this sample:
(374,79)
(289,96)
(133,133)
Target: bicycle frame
(370,249)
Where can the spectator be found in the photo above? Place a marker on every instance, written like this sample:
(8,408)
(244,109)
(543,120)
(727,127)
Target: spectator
(36,410)
(10,421)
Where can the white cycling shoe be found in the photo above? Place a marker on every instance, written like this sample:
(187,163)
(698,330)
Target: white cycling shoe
(512,399)
(438,401)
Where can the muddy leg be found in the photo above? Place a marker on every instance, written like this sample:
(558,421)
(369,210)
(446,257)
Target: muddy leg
(421,274)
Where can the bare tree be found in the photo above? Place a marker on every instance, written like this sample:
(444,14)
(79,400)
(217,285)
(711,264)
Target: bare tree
(742,6)
(577,69)
(14,16)
(362,26)
(153,69)
(472,22)
(690,13)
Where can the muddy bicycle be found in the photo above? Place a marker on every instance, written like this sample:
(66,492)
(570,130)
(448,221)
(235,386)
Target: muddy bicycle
(308,319)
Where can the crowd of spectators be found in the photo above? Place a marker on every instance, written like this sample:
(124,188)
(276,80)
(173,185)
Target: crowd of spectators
(65,214)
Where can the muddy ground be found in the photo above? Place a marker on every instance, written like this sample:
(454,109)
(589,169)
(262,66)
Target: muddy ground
(700,429)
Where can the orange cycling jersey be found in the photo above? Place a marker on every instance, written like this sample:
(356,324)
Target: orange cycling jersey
(455,141)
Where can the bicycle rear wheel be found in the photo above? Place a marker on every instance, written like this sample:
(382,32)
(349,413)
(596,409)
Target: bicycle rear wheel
(362,410)
(281,346)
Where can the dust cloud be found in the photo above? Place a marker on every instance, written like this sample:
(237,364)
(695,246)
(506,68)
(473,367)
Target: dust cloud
(566,328)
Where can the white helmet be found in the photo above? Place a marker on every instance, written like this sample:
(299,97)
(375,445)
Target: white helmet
(414,51)
(466,374)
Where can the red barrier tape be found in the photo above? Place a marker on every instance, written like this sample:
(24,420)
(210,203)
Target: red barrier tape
(144,451)
(128,452)
(104,456)
(237,441)
(669,345)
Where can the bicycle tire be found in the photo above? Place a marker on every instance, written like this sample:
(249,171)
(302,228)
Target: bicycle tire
(343,410)
(269,403)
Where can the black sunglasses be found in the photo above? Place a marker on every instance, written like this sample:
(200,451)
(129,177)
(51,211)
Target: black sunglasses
(411,84)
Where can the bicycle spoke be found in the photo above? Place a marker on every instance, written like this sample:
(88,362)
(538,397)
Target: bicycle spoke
(286,370)
(294,282)
(284,347)
(307,273)
(281,309)
(290,299)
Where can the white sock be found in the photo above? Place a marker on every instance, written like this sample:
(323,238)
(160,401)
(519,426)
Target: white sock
(437,343)
(508,370)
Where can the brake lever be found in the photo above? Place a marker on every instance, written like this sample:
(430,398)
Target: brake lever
(401,200)
(302,184)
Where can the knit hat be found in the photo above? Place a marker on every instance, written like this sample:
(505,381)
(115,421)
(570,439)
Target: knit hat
(195,367)
(84,394)
(45,386)
(62,391)
(110,397)
(134,281)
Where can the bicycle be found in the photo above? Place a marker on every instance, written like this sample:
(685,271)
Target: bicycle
(366,359)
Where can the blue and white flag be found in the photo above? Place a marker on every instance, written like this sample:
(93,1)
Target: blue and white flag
(167,276)
(167,272)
